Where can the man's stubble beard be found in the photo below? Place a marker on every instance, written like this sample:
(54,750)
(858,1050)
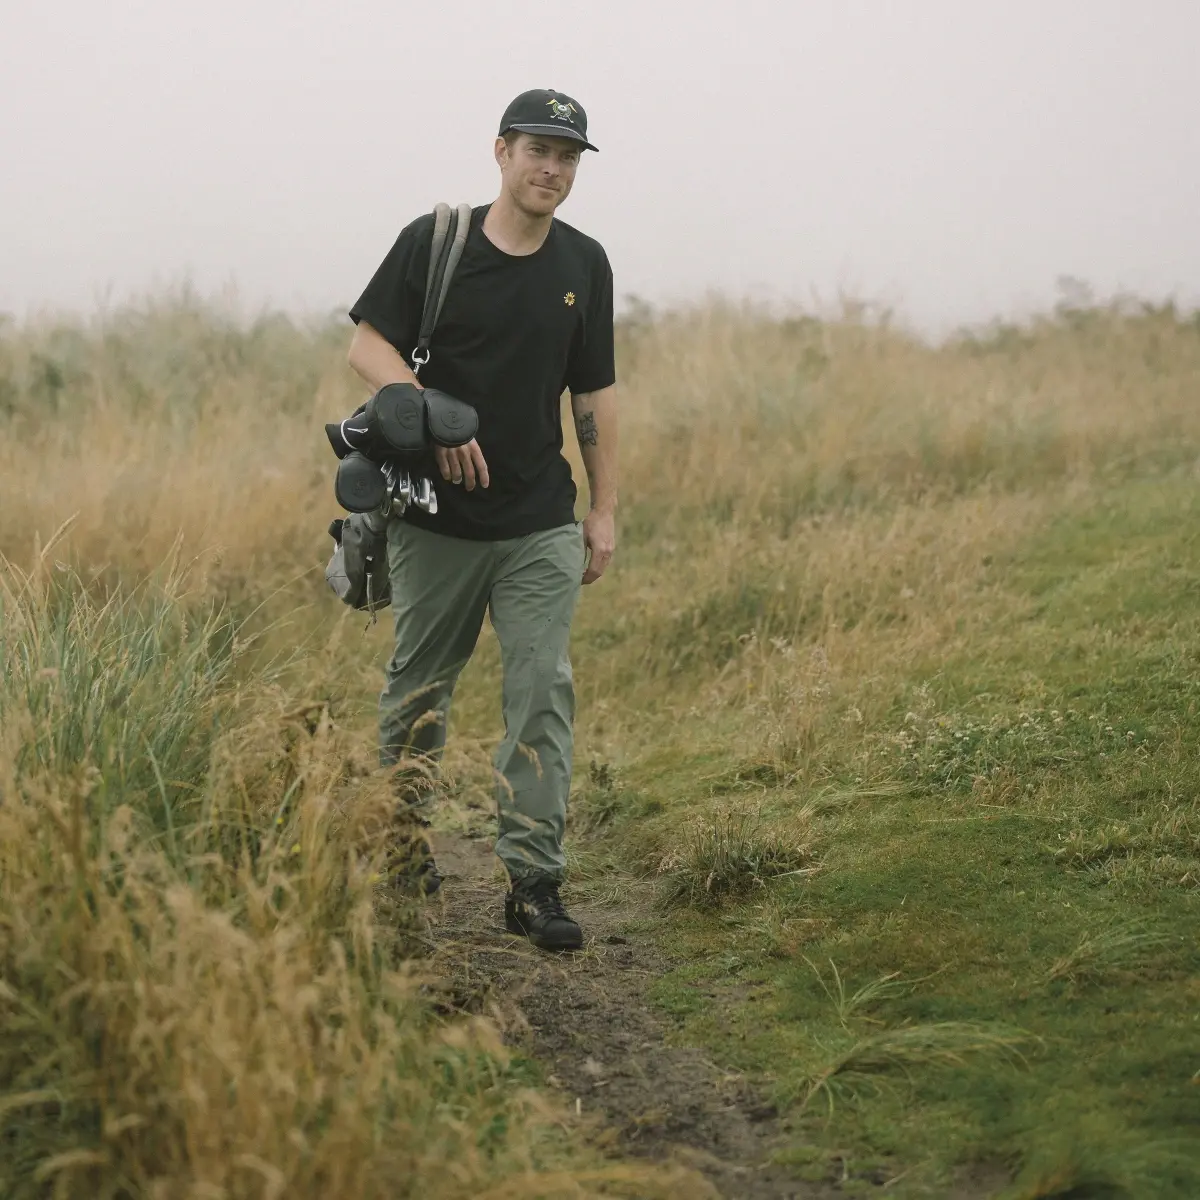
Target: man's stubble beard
(538,210)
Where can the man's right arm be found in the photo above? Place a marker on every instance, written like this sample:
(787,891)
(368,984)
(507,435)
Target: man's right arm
(376,360)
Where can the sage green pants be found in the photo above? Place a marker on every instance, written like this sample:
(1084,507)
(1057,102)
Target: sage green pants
(441,589)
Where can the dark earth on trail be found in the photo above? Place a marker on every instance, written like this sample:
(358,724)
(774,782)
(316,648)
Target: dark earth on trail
(600,1041)
(586,1019)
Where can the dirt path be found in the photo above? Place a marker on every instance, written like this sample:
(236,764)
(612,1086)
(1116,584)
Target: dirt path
(587,1019)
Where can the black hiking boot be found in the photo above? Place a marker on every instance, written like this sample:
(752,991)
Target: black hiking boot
(534,909)
(411,866)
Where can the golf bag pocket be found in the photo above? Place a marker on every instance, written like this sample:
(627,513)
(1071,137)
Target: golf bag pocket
(357,572)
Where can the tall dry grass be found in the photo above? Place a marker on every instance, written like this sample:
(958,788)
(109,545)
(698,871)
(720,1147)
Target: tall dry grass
(730,413)
(204,993)
(203,996)
(171,420)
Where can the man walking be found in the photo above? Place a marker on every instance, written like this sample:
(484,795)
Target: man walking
(529,312)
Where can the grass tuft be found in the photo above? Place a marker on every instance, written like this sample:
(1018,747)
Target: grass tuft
(942,1044)
(849,1004)
(1119,948)
(728,858)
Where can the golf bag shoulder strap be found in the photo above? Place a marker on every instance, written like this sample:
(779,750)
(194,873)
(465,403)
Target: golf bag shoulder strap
(450,229)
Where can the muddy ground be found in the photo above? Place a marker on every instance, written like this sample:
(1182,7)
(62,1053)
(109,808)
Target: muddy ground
(601,1043)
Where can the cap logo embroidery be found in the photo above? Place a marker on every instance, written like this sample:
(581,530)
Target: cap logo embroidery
(569,299)
(561,112)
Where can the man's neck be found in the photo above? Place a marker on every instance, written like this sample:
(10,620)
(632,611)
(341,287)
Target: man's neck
(514,231)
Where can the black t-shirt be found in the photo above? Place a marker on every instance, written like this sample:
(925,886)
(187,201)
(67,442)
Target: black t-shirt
(513,333)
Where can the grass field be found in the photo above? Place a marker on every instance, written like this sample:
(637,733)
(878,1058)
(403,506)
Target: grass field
(891,692)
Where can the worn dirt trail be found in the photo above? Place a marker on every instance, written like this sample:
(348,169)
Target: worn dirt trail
(586,1018)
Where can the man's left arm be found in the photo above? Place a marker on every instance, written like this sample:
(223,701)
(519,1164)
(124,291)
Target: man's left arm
(595,416)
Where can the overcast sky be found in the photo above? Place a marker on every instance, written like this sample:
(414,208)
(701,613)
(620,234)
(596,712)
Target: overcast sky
(952,157)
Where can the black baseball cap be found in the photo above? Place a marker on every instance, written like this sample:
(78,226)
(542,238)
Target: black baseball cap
(546,111)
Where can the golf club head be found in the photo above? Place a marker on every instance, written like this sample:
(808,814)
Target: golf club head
(404,488)
(425,497)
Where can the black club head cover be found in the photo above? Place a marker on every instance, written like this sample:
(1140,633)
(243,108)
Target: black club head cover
(333,431)
(451,422)
(350,434)
(396,417)
(359,485)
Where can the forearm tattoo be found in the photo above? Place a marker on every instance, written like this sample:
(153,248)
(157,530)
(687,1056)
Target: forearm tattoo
(585,426)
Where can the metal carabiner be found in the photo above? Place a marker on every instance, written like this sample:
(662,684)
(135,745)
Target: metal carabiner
(417,361)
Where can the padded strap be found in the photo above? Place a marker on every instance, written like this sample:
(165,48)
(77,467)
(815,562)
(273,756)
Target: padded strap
(441,228)
(458,242)
(445,226)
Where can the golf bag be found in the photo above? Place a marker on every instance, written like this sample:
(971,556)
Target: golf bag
(385,448)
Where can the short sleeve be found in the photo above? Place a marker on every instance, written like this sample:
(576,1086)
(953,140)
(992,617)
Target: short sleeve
(591,365)
(394,297)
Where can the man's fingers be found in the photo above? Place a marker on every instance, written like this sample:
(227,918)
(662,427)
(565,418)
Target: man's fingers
(462,464)
(599,540)
(466,467)
(477,459)
(598,562)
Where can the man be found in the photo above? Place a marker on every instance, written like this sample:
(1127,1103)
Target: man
(528,313)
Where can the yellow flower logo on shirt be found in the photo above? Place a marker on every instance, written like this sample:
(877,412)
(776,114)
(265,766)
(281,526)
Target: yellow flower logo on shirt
(569,299)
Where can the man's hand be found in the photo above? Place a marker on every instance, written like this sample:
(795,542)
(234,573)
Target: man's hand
(600,538)
(462,464)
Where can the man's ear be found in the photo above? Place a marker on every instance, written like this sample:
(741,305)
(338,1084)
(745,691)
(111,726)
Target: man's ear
(501,152)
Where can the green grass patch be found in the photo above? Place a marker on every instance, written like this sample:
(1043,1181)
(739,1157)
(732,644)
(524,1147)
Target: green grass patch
(997,962)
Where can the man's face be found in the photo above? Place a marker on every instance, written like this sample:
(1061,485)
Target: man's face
(538,171)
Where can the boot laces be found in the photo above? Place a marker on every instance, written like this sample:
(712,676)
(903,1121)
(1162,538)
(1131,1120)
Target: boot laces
(544,899)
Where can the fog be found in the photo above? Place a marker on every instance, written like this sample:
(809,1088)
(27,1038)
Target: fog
(950,158)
